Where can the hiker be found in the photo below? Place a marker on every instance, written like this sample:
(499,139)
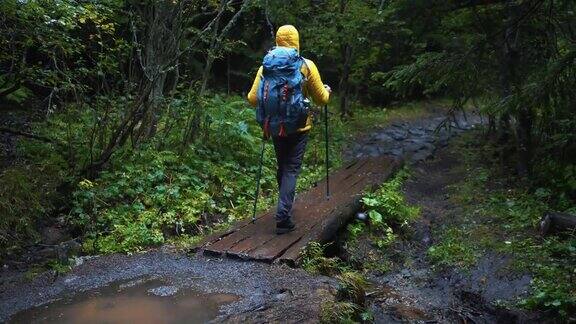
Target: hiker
(282,109)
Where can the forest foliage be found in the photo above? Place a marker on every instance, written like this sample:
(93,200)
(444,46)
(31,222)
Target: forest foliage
(134,131)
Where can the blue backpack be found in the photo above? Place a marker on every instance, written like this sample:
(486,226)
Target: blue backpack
(282,108)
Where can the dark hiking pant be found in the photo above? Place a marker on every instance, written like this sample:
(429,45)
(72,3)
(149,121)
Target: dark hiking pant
(289,154)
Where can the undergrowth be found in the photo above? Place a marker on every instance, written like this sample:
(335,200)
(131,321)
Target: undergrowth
(28,196)
(160,191)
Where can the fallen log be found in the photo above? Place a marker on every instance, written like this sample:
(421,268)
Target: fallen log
(555,222)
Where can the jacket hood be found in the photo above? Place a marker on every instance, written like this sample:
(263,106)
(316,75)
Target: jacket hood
(287,36)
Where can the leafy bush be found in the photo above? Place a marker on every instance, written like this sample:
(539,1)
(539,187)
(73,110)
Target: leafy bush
(150,194)
(386,208)
(387,205)
(556,183)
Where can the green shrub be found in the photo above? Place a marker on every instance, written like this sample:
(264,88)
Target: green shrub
(387,205)
(386,208)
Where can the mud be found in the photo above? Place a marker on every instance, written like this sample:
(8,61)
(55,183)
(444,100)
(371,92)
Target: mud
(415,291)
(143,302)
(264,292)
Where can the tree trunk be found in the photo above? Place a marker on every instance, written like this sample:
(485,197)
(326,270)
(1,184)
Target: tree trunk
(506,71)
(344,85)
(155,101)
(210,55)
(157,45)
(346,58)
(228,75)
(554,222)
(510,82)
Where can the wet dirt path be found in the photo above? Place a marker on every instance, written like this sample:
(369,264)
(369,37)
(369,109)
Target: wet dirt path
(252,291)
(414,291)
(135,301)
(255,292)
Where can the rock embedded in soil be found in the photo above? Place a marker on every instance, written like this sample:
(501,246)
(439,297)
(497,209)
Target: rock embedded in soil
(414,141)
(164,291)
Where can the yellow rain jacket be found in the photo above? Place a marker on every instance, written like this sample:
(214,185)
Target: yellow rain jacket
(313,88)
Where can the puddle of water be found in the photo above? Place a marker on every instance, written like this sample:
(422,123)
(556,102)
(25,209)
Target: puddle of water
(129,304)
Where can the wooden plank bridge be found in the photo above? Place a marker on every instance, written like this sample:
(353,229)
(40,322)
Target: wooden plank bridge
(316,218)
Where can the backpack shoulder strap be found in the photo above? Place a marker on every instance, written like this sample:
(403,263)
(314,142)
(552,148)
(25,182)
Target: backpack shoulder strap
(305,69)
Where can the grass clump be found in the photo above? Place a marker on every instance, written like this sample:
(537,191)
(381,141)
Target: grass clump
(350,304)
(338,312)
(352,287)
(312,259)
(453,249)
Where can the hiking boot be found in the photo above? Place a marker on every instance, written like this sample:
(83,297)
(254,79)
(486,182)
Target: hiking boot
(285,226)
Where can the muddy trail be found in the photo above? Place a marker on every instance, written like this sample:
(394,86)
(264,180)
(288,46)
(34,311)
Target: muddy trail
(414,290)
(193,288)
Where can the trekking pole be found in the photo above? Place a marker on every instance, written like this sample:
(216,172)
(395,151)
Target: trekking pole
(258,176)
(327,159)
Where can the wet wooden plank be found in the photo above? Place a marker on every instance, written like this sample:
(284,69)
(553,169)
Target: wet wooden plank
(343,212)
(221,245)
(316,217)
